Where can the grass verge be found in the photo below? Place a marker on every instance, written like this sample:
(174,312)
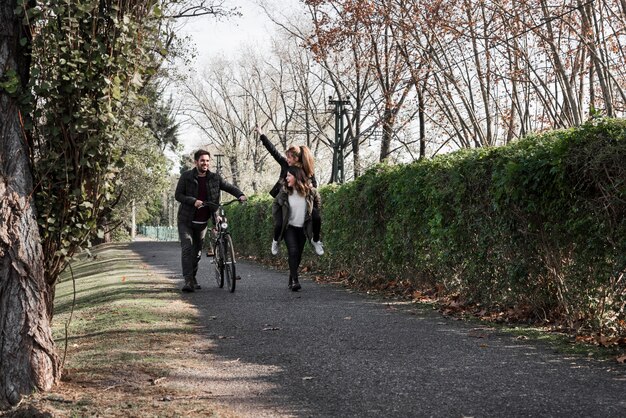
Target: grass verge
(126,337)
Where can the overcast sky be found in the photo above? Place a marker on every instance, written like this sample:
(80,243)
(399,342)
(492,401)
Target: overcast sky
(213,36)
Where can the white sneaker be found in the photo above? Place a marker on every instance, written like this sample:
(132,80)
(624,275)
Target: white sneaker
(274,247)
(319,247)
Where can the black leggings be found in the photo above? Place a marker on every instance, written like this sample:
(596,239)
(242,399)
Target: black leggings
(295,240)
(316,219)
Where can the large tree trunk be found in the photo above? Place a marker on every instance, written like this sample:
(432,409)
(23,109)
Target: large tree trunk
(28,359)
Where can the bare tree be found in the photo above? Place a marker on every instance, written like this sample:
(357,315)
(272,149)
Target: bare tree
(219,110)
(366,28)
(496,72)
(348,75)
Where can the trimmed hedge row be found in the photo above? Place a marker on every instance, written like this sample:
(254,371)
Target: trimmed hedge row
(538,225)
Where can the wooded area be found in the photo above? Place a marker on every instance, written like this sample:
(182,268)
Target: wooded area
(422,78)
(85,120)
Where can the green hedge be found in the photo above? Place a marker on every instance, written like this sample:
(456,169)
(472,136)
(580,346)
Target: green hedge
(538,225)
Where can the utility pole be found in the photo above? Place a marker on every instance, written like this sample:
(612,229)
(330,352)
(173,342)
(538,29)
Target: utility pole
(218,163)
(338,174)
(133,224)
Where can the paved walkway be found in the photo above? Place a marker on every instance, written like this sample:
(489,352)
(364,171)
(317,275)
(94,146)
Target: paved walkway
(328,352)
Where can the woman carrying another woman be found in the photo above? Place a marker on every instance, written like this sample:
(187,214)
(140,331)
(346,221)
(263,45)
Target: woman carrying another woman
(294,206)
(297,156)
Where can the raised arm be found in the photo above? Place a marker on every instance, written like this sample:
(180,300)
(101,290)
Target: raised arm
(278,156)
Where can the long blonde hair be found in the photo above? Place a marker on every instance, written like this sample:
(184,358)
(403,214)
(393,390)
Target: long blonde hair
(304,158)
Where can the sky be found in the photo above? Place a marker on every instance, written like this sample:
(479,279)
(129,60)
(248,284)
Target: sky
(225,36)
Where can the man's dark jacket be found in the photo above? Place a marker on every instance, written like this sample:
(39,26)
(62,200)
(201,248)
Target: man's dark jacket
(187,192)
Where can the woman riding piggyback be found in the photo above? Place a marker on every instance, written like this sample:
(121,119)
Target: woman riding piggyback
(293,207)
(301,157)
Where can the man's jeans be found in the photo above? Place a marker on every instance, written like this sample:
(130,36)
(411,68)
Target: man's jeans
(191,240)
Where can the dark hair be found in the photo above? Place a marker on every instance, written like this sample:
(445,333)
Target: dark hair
(302,186)
(200,153)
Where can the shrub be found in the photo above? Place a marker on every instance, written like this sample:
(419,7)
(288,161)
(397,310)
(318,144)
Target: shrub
(539,224)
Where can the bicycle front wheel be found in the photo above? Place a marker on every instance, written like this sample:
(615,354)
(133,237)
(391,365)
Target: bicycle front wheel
(229,264)
(218,263)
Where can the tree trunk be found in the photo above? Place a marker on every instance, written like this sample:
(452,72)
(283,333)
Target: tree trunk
(28,359)
(387,134)
(422,119)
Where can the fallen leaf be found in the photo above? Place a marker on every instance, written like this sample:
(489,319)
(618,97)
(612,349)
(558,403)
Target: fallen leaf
(621,359)
(308,378)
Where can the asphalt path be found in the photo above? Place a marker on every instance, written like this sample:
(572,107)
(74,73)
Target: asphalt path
(328,352)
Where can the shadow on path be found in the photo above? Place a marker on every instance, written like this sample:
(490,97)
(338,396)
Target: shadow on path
(328,352)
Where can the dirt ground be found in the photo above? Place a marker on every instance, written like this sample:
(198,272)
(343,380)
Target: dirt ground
(131,344)
(130,391)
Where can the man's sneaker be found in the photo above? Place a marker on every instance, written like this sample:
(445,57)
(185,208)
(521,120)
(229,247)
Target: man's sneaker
(187,288)
(319,247)
(274,247)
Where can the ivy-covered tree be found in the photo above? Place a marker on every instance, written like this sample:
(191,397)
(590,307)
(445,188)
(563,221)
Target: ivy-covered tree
(28,358)
(71,78)
(88,69)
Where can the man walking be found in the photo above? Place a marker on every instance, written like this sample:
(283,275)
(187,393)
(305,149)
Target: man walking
(194,187)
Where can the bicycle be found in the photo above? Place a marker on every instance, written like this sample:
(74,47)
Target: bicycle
(223,249)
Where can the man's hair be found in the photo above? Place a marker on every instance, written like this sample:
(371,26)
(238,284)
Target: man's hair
(200,153)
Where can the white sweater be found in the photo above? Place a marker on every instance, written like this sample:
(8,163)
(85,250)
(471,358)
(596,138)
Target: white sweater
(297,209)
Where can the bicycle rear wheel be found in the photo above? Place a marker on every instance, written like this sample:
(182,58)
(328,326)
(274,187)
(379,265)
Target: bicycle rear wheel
(229,264)
(218,263)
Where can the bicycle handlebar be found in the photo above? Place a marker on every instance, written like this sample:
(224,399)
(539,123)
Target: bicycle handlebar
(217,205)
